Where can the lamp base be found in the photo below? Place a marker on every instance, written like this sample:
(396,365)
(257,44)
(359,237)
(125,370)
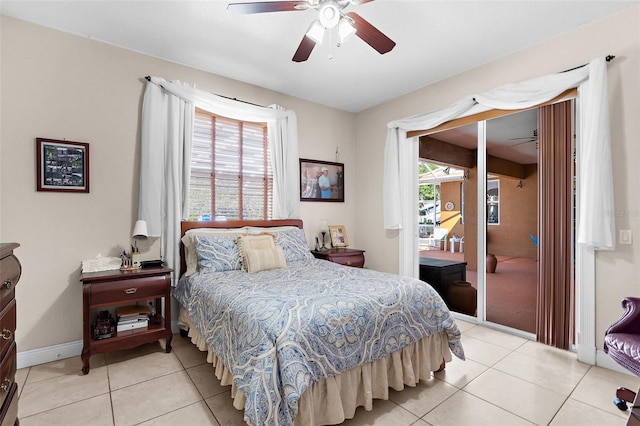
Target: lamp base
(324,247)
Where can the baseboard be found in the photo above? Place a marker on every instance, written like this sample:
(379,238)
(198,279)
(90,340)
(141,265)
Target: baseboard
(57,352)
(603,360)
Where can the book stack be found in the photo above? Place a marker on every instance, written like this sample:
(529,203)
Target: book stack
(132,317)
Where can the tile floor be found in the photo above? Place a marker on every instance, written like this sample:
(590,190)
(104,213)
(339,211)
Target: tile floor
(506,380)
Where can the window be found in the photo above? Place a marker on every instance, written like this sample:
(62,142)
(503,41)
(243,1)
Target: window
(231,175)
(493,202)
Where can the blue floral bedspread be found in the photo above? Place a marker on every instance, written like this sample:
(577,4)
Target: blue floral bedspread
(279,331)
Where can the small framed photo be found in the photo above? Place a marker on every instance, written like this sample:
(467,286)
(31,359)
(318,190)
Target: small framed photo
(338,235)
(321,181)
(62,166)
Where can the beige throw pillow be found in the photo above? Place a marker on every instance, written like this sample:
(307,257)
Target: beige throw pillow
(264,259)
(253,242)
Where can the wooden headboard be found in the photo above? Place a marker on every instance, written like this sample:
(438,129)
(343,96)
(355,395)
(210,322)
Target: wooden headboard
(186,225)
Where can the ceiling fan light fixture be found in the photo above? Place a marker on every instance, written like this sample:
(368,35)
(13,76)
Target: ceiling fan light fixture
(316,32)
(345,30)
(329,14)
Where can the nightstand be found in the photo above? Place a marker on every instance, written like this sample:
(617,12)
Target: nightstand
(101,290)
(343,256)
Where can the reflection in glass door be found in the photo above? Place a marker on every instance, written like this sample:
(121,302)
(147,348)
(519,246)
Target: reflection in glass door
(512,222)
(448,250)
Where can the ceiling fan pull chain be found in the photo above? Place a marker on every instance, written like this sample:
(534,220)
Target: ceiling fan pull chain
(330,31)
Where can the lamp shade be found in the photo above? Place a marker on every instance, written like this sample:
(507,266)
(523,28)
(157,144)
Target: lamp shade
(140,230)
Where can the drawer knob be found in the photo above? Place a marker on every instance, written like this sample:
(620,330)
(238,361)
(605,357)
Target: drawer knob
(131,290)
(6,383)
(7,284)
(6,334)
(348,263)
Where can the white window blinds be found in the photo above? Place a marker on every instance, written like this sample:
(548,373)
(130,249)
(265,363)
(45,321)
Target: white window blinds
(231,173)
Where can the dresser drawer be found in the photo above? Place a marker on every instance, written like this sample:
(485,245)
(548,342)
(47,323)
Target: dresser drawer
(7,373)
(132,289)
(10,271)
(9,411)
(7,327)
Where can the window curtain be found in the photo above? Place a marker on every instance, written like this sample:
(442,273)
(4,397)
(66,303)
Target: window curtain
(166,133)
(596,225)
(555,293)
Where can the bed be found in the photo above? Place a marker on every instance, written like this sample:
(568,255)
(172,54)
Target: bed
(304,341)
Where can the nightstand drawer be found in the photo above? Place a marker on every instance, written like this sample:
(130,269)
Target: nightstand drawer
(342,256)
(355,260)
(132,289)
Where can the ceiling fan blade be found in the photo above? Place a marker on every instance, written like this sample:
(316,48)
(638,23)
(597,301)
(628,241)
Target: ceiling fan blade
(530,138)
(357,2)
(266,6)
(304,49)
(371,35)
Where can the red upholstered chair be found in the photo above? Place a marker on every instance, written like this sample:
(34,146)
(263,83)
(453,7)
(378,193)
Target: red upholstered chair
(622,343)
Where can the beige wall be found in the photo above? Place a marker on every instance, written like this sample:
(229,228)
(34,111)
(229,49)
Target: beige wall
(619,35)
(61,86)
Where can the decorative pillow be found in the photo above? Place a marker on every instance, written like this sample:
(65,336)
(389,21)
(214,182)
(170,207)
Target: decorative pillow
(253,242)
(217,253)
(294,244)
(191,257)
(257,260)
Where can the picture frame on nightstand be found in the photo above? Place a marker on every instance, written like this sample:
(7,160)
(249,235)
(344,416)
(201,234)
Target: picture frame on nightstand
(338,234)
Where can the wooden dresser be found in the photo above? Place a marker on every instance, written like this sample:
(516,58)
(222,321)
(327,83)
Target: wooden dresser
(10,270)
(343,256)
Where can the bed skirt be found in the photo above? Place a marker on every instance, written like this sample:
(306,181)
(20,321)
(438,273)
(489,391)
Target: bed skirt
(335,399)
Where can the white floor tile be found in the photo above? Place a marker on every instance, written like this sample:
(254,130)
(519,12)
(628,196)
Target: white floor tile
(464,409)
(94,411)
(496,337)
(483,352)
(560,375)
(531,402)
(577,413)
(150,399)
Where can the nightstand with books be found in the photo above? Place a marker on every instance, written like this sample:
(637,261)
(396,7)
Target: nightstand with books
(134,320)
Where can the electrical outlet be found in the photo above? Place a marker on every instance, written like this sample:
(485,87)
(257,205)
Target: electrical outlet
(625,236)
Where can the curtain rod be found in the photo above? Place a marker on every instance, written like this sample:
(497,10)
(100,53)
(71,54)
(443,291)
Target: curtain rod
(148,78)
(607,58)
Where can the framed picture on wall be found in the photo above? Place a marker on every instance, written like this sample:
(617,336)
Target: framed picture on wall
(62,166)
(321,181)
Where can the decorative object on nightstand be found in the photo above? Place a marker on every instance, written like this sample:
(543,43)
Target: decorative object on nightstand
(10,271)
(112,289)
(343,256)
(338,235)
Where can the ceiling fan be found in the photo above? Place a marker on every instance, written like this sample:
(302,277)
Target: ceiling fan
(529,144)
(330,15)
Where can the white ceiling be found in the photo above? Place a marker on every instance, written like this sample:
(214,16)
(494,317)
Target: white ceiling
(435,40)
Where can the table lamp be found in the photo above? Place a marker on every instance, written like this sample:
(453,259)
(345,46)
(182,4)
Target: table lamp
(324,227)
(140,232)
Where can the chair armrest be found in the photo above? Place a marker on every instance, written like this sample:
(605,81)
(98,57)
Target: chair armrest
(630,320)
